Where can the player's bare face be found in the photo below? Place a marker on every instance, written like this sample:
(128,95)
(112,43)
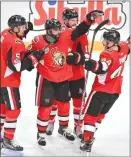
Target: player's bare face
(21,30)
(55,32)
(107,44)
(71,23)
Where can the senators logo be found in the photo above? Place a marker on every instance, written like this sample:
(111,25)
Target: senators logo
(59,58)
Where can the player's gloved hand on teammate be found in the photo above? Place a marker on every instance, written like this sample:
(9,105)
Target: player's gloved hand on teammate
(92,16)
(30,68)
(90,64)
(29,28)
(75,58)
(36,55)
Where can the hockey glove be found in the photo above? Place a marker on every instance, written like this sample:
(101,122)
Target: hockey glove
(75,58)
(90,65)
(94,66)
(92,16)
(30,67)
(29,28)
(31,59)
(35,56)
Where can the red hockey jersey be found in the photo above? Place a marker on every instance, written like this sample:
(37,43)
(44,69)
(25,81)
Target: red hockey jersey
(78,71)
(111,81)
(53,65)
(11,51)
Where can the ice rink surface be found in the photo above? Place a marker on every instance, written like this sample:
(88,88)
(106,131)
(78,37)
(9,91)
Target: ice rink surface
(112,138)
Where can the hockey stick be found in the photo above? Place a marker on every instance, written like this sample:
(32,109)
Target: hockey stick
(86,78)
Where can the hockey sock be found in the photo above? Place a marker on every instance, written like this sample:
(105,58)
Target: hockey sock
(99,120)
(10,123)
(2,115)
(43,118)
(53,112)
(76,111)
(63,113)
(89,126)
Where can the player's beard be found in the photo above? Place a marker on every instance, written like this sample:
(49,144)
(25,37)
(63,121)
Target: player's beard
(56,37)
(69,26)
(52,38)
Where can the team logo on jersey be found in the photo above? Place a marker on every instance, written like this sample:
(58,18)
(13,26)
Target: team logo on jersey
(59,58)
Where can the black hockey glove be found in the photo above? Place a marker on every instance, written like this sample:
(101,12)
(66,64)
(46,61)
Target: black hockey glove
(90,65)
(84,26)
(92,16)
(75,58)
(31,59)
(35,56)
(30,68)
(94,66)
(29,28)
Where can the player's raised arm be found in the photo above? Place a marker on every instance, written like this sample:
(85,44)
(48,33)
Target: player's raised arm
(78,57)
(84,26)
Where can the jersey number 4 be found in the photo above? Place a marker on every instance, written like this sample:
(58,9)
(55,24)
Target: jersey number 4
(117,72)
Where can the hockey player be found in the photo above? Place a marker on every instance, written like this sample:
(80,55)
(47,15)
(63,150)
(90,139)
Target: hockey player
(107,85)
(54,73)
(77,81)
(12,62)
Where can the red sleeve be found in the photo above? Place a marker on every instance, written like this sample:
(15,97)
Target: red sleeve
(18,50)
(15,50)
(125,47)
(67,37)
(35,42)
(38,43)
(84,43)
(106,59)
